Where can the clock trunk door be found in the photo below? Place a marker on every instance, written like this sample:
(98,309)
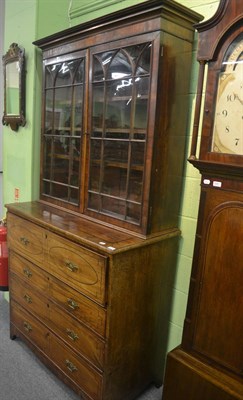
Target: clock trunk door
(218,333)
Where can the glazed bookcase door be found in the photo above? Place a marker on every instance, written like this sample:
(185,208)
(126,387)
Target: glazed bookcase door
(63,129)
(120,99)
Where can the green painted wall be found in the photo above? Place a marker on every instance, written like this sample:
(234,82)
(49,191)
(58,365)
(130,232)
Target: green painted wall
(18,165)
(27,20)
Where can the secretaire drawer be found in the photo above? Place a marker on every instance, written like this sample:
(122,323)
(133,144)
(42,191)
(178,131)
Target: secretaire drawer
(82,269)
(26,238)
(78,336)
(37,333)
(32,300)
(85,310)
(29,272)
(86,377)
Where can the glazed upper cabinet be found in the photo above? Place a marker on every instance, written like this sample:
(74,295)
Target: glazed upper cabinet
(114,116)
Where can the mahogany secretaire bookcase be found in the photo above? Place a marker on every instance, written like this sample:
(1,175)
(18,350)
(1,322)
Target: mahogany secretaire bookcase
(91,262)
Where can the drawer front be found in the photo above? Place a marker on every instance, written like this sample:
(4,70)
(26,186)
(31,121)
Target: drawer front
(37,333)
(80,338)
(89,313)
(26,238)
(82,269)
(32,300)
(87,378)
(28,272)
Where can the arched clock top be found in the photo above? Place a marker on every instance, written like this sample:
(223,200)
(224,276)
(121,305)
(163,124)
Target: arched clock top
(228,16)
(220,45)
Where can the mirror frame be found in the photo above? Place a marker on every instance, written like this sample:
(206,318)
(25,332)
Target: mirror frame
(15,54)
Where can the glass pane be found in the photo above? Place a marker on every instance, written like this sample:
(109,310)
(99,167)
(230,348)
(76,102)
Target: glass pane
(77,110)
(135,186)
(133,212)
(94,201)
(62,110)
(75,162)
(143,66)
(77,70)
(98,71)
(141,108)
(119,101)
(60,162)
(74,196)
(63,76)
(98,109)
(47,151)
(59,191)
(135,51)
(115,168)
(116,151)
(113,207)
(95,164)
(137,158)
(136,172)
(46,188)
(50,74)
(142,87)
(120,67)
(49,111)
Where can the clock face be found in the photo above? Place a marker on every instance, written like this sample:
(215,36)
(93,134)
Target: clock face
(228,120)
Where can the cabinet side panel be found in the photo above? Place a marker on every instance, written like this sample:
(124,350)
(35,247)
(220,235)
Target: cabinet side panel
(170,131)
(140,291)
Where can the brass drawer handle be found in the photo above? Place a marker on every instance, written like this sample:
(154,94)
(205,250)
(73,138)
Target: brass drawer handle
(71,334)
(27,272)
(27,298)
(72,304)
(70,366)
(24,240)
(27,326)
(72,267)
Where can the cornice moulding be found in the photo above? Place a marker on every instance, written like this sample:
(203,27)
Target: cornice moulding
(92,6)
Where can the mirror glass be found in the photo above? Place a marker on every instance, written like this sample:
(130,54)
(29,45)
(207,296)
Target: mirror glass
(14,87)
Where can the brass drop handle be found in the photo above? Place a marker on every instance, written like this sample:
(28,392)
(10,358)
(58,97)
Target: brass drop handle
(27,298)
(24,240)
(72,267)
(72,335)
(70,366)
(27,326)
(27,272)
(72,304)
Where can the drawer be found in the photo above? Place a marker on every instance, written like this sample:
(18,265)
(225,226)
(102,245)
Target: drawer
(85,310)
(26,238)
(37,333)
(29,272)
(83,375)
(32,300)
(85,342)
(82,269)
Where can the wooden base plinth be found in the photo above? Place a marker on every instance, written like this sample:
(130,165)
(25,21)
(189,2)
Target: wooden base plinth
(187,378)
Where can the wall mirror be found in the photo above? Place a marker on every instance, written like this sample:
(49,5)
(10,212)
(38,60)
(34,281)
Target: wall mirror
(14,87)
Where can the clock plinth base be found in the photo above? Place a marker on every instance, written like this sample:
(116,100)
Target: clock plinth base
(187,378)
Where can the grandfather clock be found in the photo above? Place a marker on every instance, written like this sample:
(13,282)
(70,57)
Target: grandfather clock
(209,363)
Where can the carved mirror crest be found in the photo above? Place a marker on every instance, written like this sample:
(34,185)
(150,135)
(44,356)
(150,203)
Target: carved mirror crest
(14,87)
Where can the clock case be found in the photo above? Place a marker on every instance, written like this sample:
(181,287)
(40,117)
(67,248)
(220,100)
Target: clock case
(215,37)
(209,362)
